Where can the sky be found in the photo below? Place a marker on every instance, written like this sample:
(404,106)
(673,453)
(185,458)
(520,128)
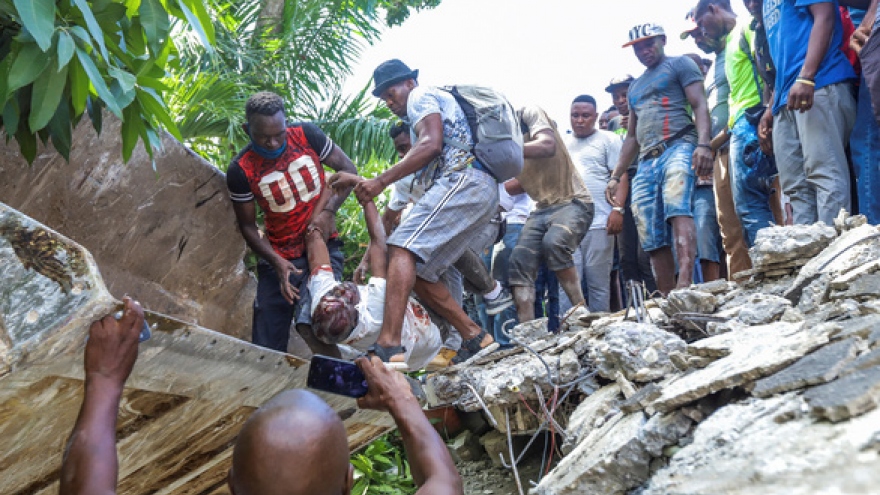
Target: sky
(543,53)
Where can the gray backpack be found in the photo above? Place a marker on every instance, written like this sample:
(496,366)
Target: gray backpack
(498,141)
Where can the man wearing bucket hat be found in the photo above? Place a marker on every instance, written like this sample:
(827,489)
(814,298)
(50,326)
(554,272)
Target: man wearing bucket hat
(460,198)
(672,147)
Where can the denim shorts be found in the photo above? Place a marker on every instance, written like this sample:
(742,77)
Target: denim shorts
(663,188)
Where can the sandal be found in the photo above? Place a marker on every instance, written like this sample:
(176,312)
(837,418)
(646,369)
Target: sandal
(387,354)
(470,347)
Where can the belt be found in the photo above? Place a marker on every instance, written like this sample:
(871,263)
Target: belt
(659,149)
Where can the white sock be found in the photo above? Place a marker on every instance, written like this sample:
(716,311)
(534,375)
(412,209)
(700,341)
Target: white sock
(495,292)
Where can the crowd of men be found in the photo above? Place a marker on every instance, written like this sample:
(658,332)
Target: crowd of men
(669,186)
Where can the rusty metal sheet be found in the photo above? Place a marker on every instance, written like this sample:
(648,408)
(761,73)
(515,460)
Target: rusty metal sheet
(185,401)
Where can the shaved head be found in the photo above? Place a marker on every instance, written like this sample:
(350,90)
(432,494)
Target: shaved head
(295,444)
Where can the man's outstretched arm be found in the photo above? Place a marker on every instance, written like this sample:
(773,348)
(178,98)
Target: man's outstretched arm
(90,465)
(432,467)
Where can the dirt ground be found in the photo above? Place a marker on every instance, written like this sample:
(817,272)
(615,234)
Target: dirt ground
(482,478)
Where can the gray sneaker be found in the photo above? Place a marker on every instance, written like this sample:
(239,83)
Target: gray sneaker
(500,303)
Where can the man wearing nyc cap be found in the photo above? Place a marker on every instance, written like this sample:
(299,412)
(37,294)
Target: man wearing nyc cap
(671,154)
(634,261)
(813,110)
(281,171)
(460,199)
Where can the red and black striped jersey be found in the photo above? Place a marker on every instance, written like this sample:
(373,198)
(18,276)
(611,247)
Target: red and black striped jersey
(286,188)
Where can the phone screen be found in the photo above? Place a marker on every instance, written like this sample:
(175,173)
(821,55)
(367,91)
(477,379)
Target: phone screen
(336,376)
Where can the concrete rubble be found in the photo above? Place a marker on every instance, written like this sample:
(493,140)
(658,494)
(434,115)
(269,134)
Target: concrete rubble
(770,385)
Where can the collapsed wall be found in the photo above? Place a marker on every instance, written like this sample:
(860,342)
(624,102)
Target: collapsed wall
(166,235)
(770,386)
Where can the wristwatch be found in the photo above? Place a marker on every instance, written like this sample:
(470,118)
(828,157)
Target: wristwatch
(618,209)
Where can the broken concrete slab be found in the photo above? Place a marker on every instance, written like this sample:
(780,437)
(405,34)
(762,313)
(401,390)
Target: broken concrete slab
(769,446)
(640,351)
(761,309)
(690,301)
(864,361)
(821,366)
(592,414)
(846,397)
(865,327)
(610,460)
(747,355)
(851,250)
(865,286)
(782,244)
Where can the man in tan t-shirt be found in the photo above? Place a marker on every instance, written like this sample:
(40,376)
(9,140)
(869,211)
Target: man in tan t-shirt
(562,215)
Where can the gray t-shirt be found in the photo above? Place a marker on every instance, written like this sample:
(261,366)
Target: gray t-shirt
(660,103)
(595,157)
(426,100)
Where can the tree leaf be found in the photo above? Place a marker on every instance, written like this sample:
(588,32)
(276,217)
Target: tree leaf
(96,114)
(65,48)
(79,87)
(127,80)
(27,142)
(97,80)
(10,117)
(154,19)
(131,128)
(60,129)
(30,63)
(46,96)
(193,21)
(38,17)
(153,106)
(198,8)
(92,24)
(123,97)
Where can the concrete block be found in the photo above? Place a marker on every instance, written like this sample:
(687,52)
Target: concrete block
(846,397)
(818,367)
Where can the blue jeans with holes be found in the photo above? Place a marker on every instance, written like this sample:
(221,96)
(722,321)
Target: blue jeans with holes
(706,223)
(752,174)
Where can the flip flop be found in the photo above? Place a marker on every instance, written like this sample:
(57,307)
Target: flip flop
(387,353)
(472,346)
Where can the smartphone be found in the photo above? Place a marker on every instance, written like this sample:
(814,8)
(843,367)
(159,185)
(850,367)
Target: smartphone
(336,376)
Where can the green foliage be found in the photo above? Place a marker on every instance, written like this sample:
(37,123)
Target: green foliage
(382,469)
(61,58)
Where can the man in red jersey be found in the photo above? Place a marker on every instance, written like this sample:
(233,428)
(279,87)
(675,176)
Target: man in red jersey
(281,169)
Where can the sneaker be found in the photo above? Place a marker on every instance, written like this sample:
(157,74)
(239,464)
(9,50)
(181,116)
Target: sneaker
(500,303)
(442,360)
(471,347)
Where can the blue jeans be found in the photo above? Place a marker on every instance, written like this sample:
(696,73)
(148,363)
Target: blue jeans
(498,261)
(865,147)
(751,184)
(706,223)
(547,286)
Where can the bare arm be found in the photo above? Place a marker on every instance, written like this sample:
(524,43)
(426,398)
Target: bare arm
(513,187)
(377,247)
(543,146)
(628,153)
(90,465)
(800,97)
(246,215)
(324,216)
(428,145)
(316,246)
(861,35)
(703,156)
(432,467)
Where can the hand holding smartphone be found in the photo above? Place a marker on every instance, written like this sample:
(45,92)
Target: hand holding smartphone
(336,376)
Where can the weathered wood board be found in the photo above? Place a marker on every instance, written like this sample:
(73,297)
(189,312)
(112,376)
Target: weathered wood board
(189,393)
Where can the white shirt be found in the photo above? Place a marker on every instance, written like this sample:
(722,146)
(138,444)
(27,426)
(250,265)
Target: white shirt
(595,157)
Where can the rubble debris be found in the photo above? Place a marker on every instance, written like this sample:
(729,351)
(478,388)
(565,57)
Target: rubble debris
(640,351)
(769,446)
(772,367)
(749,354)
(846,397)
(465,447)
(690,301)
(819,367)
